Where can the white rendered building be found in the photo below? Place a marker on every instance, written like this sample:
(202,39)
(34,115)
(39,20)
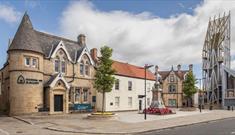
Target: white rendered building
(129,89)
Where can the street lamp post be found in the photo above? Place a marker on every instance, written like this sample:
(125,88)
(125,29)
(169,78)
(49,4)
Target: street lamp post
(145,68)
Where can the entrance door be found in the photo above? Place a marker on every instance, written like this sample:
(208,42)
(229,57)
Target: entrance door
(58,103)
(140,104)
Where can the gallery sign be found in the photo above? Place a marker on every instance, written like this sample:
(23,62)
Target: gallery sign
(22,80)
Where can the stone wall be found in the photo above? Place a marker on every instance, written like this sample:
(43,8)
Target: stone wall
(178,95)
(27,96)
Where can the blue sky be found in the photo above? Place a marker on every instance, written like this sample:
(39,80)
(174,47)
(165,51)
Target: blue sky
(50,16)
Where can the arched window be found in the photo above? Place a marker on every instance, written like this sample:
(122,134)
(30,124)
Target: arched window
(87,68)
(60,62)
(63,65)
(57,64)
(82,67)
(172,88)
(172,78)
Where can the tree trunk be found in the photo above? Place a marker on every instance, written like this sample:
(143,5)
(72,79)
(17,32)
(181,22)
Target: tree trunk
(188,102)
(103,102)
(191,102)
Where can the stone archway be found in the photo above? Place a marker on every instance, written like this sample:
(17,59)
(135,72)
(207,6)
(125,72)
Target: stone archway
(57,94)
(58,98)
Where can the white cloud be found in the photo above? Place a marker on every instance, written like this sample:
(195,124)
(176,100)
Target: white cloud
(144,38)
(9,14)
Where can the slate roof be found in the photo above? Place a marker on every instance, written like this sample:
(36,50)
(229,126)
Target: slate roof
(125,69)
(27,38)
(52,78)
(164,74)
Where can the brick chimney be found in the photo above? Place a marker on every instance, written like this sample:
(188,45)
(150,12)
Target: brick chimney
(93,53)
(81,39)
(190,67)
(179,68)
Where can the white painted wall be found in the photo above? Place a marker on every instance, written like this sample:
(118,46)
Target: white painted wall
(124,93)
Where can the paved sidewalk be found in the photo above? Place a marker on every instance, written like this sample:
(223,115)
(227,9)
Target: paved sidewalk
(127,124)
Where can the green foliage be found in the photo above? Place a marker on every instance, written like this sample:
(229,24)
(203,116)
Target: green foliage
(104,79)
(189,87)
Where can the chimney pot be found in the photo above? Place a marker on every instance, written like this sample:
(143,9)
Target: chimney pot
(190,67)
(179,67)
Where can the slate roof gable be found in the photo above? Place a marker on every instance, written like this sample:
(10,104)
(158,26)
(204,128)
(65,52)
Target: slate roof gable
(29,39)
(165,74)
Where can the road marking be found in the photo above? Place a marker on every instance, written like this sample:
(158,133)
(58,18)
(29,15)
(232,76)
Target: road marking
(4,132)
(232,132)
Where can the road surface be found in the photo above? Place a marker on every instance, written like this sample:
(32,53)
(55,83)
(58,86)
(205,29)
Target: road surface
(220,127)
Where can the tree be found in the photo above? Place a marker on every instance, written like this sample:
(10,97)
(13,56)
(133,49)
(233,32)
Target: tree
(189,87)
(104,78)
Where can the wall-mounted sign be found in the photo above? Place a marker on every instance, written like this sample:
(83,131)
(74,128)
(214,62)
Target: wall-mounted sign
(22,80)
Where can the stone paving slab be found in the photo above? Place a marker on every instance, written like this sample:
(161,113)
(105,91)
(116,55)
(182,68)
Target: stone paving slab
(77,123)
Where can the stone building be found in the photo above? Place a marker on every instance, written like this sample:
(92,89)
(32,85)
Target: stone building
(44,72)
(172,85)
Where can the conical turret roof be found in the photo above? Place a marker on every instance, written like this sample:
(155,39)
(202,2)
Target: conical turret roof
(25,37)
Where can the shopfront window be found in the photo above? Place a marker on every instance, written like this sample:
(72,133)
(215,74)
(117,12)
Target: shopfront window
(77,94)
(85,95)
